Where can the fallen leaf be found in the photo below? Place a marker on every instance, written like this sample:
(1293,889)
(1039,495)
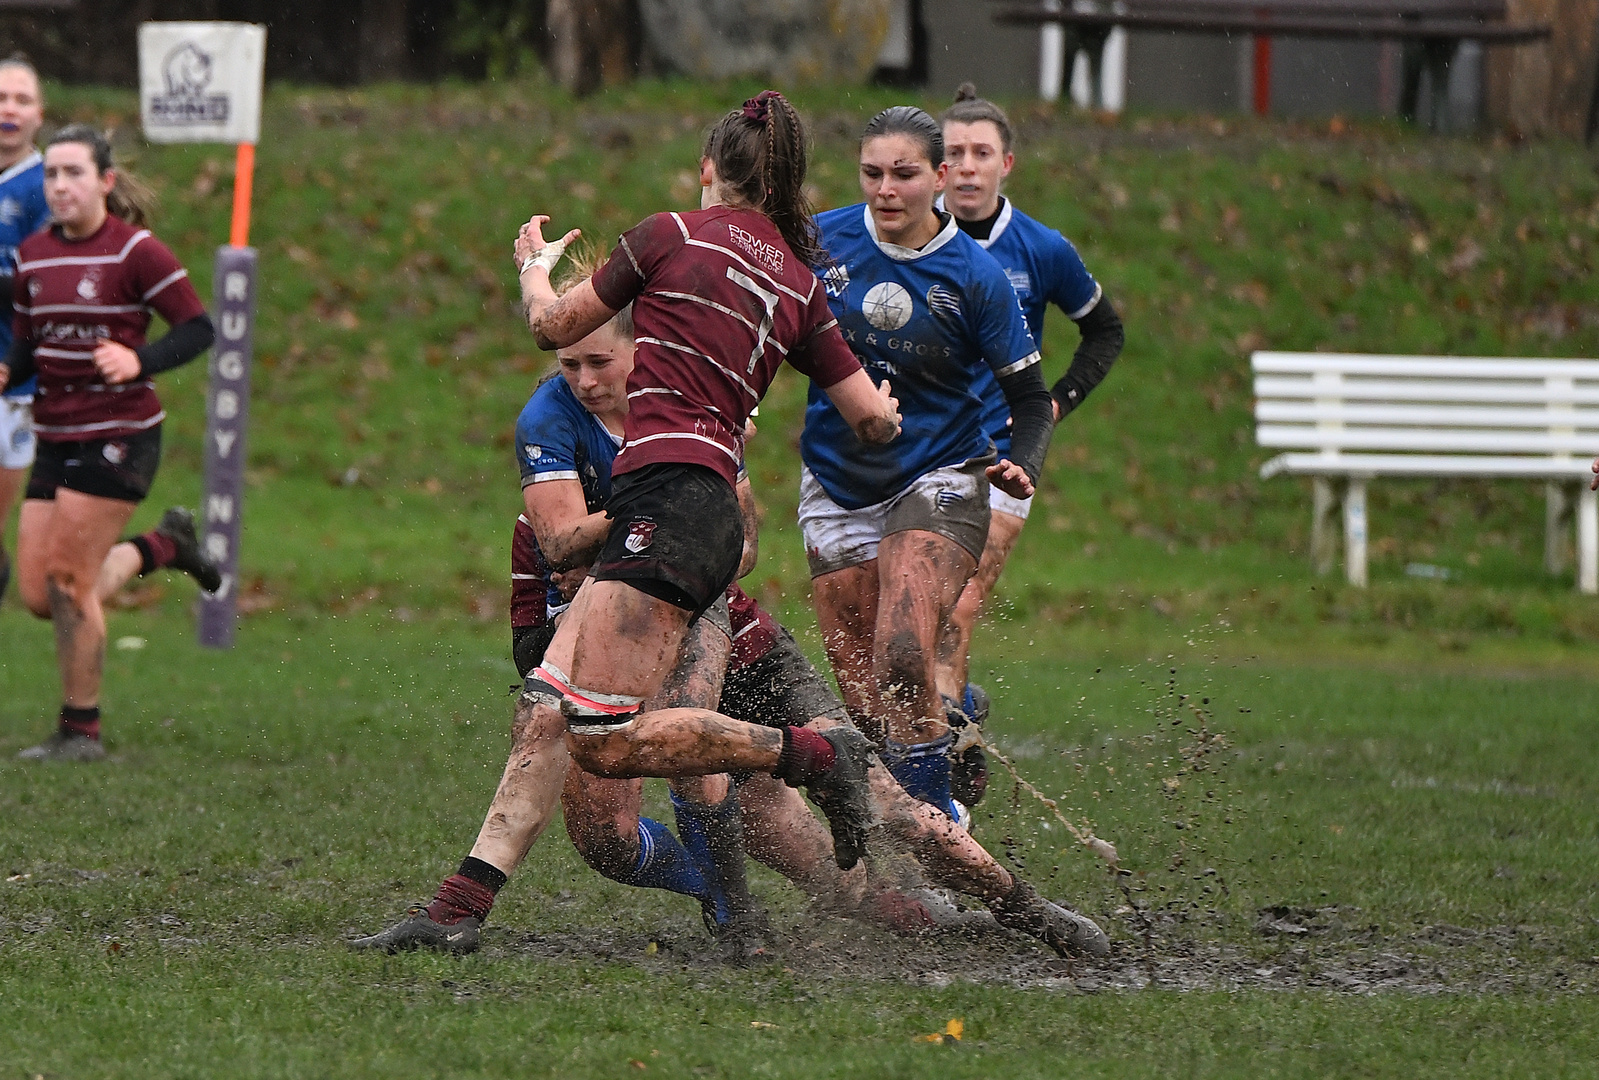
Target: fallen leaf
(131,643)
(761,1024)
(637,1064)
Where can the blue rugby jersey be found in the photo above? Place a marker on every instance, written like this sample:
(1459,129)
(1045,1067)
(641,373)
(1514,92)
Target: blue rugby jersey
(558,439)
(1044,268)
(930,322)
(23,212)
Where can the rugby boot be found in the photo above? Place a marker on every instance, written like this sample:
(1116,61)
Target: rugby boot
(1062,929)
(65,746)
(843,795)
(177,525)
(418,930)
(968,765)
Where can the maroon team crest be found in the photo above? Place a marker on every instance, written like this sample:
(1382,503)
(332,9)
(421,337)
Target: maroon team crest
(639,536)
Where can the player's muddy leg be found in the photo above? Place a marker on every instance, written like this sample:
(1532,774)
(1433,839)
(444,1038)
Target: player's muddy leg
(920,576)
(34,525)
(83,529)
(846,613)
(954,645)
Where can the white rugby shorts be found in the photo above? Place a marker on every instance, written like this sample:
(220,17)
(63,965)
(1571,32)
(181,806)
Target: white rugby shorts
(950,502)
(16,433)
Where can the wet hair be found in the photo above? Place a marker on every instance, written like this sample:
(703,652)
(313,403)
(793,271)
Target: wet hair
(908,120)
(129,199)
(971,109)
(759,152)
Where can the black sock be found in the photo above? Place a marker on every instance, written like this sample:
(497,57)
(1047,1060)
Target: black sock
(146,556)
(85,722)
(483,873)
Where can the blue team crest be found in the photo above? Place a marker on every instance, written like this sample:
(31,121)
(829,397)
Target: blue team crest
(533,451)
(836,279)
(947,498)
(1020,281)
(944,303)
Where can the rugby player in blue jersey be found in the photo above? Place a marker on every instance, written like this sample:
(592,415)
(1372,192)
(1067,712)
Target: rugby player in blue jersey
(23,212)
(1044,268)
(893,532)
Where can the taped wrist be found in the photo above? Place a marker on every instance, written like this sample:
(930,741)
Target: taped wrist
(546,256)
(805,757)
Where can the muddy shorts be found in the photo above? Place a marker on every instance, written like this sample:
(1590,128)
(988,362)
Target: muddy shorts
(780,689)
(676,534)
(16,433)
(121,468)
(952,502)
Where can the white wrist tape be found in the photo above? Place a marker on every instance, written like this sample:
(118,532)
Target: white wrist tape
(546,256)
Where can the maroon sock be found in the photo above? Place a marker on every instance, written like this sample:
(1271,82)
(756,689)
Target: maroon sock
(156,549)
(84,722)
(467,894)
(804,758)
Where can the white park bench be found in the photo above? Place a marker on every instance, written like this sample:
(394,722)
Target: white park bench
(1346,420)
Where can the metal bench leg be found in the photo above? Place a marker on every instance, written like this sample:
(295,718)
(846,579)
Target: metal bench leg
(1355,531)
(1588,540)
(1558,505)
(1323,540)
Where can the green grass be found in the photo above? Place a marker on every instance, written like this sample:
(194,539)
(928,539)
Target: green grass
(1411,757)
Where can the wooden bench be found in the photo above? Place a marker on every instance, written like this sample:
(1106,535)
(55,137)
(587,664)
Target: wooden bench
(1346,420)
(1431,30)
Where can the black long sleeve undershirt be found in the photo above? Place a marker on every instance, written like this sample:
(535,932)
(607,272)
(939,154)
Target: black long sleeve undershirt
(177,346)
(1102,343)
(1032,418)
(20,361)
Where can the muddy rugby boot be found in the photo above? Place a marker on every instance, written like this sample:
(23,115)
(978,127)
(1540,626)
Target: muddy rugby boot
(1062,929)
(177,525)
(968,765)
(843,795)
(418,930)
(65,746)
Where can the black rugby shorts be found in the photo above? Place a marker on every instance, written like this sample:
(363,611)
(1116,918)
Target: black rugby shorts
(676,535)
(122,468)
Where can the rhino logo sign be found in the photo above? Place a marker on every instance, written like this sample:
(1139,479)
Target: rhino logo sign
(186,73)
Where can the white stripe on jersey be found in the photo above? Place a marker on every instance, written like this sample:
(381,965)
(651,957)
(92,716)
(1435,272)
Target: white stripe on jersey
(752,268)
(22,166)
(1021,365)
(748,389)
(523,519)
(104,425)
(83,309)
(1093,302)
(629,253)
(682,228)
(564,474)
(177,274)
(710,304)
(86,260)
(682,435)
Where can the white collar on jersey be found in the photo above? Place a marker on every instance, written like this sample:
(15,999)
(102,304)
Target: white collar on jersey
(905,254)
(22,166)
(999,223)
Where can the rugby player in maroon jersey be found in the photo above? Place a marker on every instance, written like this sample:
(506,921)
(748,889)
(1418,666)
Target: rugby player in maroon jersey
(721,298)
(85,290)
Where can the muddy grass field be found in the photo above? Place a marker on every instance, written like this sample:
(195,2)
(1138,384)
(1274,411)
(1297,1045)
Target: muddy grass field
(1381,869)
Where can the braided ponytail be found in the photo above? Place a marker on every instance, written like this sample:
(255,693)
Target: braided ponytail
(760,154)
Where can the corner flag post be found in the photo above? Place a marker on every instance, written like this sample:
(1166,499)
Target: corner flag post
(201,82)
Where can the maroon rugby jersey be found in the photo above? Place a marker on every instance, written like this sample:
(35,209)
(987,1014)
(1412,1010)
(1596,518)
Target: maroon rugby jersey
(754,631)
(719,302)
(71,294)
(530,586)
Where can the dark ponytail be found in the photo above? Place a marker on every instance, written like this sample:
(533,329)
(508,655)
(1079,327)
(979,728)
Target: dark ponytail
(760,154)
(971,109)
(909,120)
(130,199)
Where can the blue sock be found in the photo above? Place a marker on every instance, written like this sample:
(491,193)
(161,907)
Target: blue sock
(969,703)
(695,823)
(922,769)
(663,863)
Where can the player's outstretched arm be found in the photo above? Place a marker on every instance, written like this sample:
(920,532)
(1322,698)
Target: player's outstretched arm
(872,411)
(752,526)
(556,322)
